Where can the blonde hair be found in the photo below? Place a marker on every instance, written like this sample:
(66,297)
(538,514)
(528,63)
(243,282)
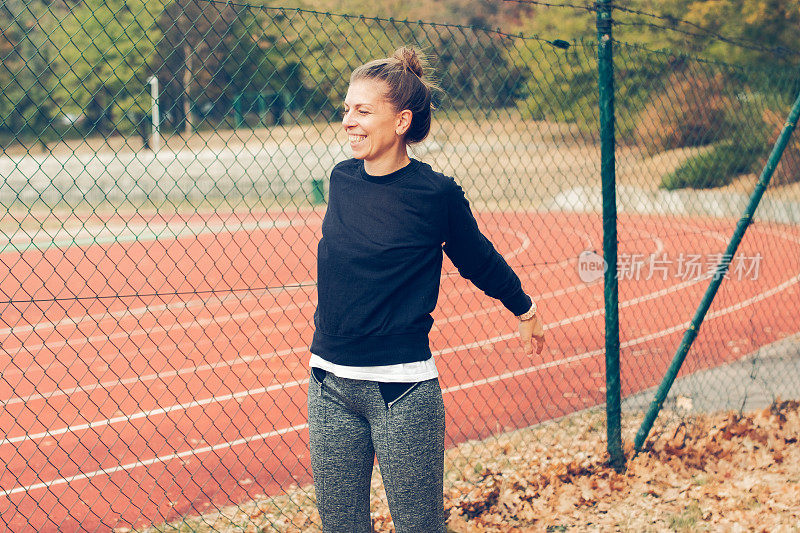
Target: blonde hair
(409,87)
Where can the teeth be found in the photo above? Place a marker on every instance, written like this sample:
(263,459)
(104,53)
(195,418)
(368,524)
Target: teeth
(357,138)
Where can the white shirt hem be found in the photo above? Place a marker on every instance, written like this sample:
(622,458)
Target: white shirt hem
(399,373)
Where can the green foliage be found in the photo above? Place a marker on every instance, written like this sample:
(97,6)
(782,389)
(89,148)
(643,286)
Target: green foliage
(92,60)
(491,78)
(685,103)
(198,39)
(562,85)
(687,520)
(769,24)
(471,65)
(764,26)
(101,63)
(715,167)
(259,59)
(25,108)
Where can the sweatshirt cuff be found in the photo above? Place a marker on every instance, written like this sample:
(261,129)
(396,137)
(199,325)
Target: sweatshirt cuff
(519,304)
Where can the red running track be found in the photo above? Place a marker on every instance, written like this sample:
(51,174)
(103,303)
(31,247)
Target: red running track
(182,387)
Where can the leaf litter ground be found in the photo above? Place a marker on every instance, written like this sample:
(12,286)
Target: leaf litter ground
(724,471)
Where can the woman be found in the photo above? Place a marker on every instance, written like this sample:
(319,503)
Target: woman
(374,385)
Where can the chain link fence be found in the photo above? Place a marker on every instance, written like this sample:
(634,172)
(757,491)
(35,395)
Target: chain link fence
(163,183)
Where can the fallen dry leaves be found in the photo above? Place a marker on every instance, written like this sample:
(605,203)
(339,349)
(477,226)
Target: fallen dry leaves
(716,472)
(708,472)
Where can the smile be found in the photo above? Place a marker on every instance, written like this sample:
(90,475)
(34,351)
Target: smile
(355,139)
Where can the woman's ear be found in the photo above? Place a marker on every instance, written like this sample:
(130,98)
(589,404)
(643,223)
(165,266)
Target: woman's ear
(403,122)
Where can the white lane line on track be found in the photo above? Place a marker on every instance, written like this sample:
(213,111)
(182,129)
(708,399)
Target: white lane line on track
(146,414)
(134,312)
(154,460)
(625,344)
(143,310)
(172,373)
(220,320)
(123,233)
(507,375)
(449,390)
(79,341)
(524,245)
(262,390)
(135,332)
(255,357)
(100,317)
(216,399)
(247,359)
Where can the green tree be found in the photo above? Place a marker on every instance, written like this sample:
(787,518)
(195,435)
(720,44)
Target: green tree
(475,71)
(709,28)
(103,50)
(260,72)
(769,24)
(196,42)
(25,106)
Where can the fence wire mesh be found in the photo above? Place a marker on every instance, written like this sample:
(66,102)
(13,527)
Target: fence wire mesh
(158,279)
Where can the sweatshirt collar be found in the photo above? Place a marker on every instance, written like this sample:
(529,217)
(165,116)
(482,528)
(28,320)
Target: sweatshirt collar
(391,177)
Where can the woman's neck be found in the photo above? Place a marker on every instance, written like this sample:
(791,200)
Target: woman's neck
(387,165)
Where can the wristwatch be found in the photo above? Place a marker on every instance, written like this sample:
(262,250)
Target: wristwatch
(530,313)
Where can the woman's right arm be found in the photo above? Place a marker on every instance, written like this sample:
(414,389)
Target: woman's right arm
(478,261)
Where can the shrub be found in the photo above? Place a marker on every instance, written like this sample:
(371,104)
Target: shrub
(715,167)
(688,110)
(746,150)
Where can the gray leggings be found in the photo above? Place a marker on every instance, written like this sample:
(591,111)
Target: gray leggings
(349,422)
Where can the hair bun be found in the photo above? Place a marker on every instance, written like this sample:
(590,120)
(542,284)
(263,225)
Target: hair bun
(411,60)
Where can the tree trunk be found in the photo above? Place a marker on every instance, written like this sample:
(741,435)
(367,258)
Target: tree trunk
(187,81)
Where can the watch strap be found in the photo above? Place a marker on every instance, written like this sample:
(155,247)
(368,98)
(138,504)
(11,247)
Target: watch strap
(530,313)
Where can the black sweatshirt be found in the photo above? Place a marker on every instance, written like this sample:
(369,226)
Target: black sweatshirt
(380,259)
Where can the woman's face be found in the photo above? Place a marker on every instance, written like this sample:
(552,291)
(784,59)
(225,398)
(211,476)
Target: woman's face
(374,127)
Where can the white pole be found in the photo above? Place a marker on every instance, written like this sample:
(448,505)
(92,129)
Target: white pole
(156,139)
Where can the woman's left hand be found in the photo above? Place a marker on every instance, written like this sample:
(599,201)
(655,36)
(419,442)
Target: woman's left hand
(531,331)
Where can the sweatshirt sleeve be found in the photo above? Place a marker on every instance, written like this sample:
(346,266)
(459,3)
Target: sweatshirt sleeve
(476,258)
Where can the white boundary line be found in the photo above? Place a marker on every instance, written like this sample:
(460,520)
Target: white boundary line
(133,312)
(248,359)
(64,238)
(143,310)
(740,305)
(186,325)
(135,332)
(449,390)
(525,244)
(154,460)
(261,390)
(254,357)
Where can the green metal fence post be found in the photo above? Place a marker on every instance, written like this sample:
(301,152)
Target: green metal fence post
(261,105)
(317,191)
(605,63)
(238,117)
(719,274)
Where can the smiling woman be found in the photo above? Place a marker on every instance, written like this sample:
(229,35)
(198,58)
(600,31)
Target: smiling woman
(385,109)
(374,385)
(374,128)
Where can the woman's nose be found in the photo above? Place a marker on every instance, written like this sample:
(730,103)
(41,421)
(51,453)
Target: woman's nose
(347,119)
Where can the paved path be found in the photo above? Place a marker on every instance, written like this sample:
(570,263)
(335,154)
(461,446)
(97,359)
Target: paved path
(753,382)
